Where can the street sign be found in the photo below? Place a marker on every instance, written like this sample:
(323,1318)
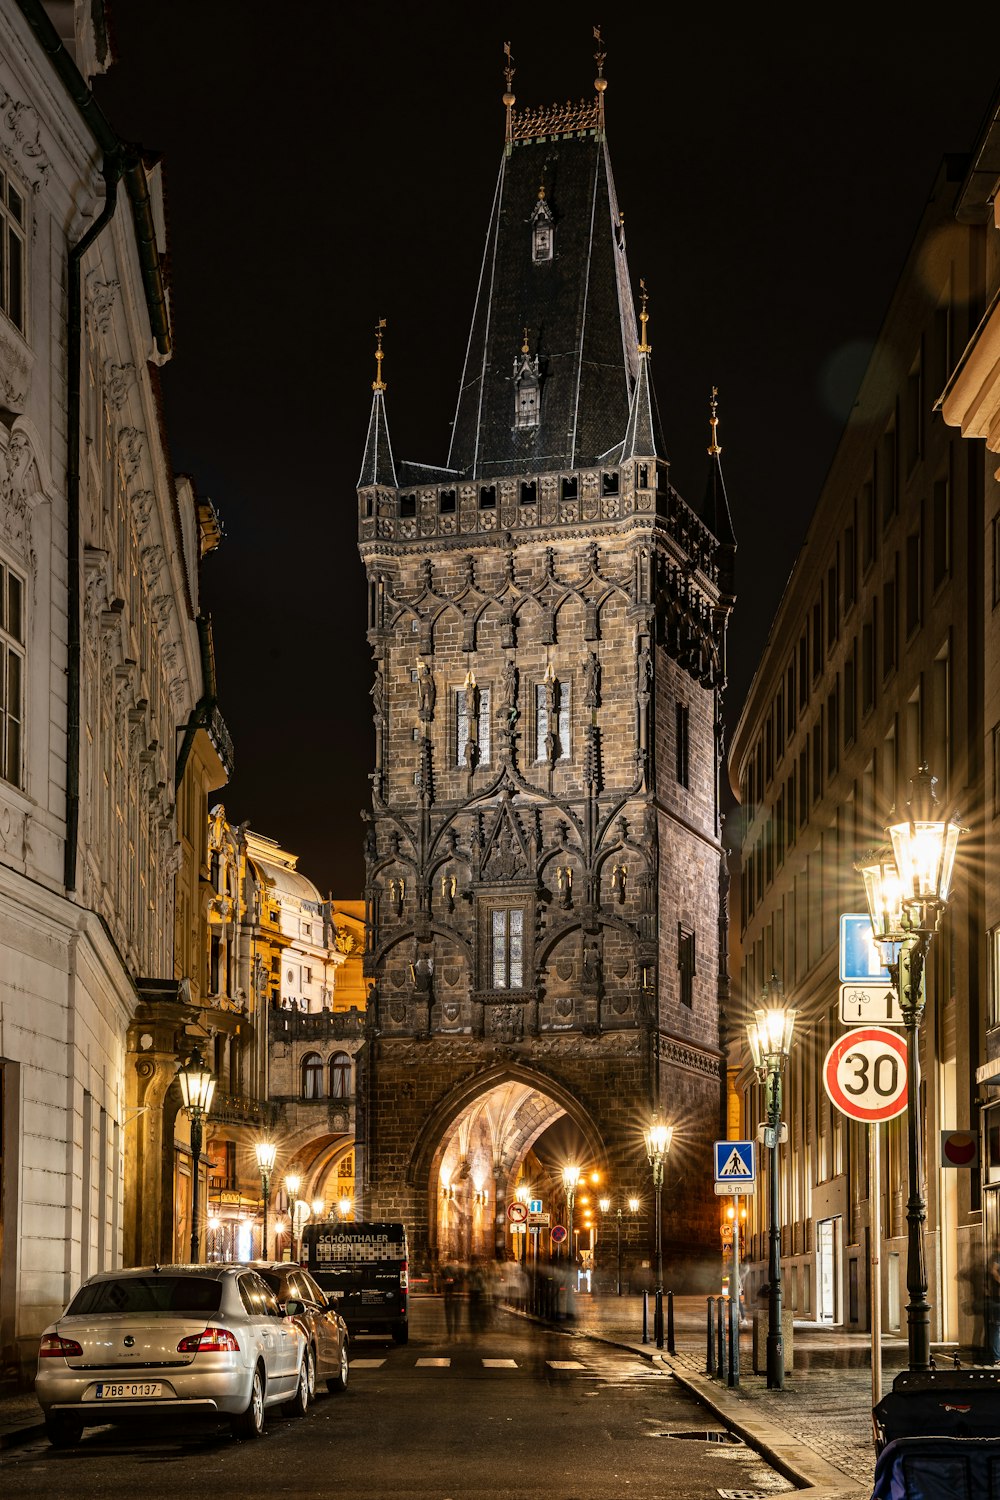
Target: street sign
(539,1221)
(736,1188)
(516,1212)
(558,1233)
(870,1005)
(864,1074)
(734,1161)
(534,1205)
(726,1231)
(860,960)
(959,1148)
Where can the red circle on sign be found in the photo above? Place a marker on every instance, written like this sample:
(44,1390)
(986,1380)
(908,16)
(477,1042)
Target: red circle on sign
(865,1074)
(558,1233)
(516,1212)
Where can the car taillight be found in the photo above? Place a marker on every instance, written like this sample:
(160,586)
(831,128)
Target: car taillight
(404,1275)
(52,1344)
(209,1339)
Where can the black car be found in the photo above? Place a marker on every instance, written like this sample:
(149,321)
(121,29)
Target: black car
(327,1339)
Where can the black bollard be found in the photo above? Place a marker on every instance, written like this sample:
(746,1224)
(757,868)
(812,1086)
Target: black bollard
(720,1329)
(671,1348)
(710,1349)
(734,1342)
(645,1317)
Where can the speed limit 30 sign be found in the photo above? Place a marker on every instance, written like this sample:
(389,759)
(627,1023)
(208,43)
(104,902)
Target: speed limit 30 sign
(865,1074)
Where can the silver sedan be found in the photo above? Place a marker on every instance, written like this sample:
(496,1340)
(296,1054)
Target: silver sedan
(191,1340)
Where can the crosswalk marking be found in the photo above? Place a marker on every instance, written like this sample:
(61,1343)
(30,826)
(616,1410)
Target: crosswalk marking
(440,1364)
(500,1364)
(564,1364)
(367,1364)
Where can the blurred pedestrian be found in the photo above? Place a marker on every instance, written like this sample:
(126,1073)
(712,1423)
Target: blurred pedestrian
(451,1289)
(478,1303)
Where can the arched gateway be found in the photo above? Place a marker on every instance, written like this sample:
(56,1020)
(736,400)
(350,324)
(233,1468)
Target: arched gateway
(545,887)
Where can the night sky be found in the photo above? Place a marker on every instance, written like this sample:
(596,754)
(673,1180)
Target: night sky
(327,166)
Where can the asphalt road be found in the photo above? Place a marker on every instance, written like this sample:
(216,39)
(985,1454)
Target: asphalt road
(516,1413)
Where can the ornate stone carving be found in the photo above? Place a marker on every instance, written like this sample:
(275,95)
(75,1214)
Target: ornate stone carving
(117,379)
(18,481)
(130,445)
(100,301)
(16,361)
(21,140)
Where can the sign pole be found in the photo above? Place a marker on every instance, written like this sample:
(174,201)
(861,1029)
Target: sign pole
(875,1274)
(734,1295)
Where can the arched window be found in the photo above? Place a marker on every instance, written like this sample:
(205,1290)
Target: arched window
(312,1076)
(340,1076)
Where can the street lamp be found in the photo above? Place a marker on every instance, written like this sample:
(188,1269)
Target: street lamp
(770,1035)
(604,1204)
(907,889)
(292,1184)
(344,1206)
(658,1138)
(197,1088)
(265,1152)
(570,1178)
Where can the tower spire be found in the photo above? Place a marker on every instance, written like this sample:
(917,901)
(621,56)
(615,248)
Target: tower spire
(378,384)
(644,346)
(509,99)
(600,82)
(713,448)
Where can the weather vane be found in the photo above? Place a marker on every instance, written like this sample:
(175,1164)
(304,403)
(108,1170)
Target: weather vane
(713,422)
(644,346)
(600,82)
(508,98)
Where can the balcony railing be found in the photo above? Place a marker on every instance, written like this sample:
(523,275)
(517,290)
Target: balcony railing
(238,1109)
(328,1025)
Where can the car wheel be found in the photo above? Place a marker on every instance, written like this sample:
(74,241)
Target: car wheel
(63,1431)
(401,1332)
(299,1404)
(250,1423)
(338,1383)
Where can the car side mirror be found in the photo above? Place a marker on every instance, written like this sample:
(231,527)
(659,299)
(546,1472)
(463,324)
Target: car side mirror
(293,1307)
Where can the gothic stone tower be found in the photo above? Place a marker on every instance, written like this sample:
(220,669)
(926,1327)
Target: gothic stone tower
(547,618)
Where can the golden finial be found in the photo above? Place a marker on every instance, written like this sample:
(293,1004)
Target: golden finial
(600,82)
(508,98)
(524,346)
(713,422)
(644,345)
(541,192)
(378,384)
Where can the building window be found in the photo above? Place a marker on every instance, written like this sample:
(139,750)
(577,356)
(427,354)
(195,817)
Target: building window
(941,530)
(886,477)
(507,948)
(482,724)
(832,605)
(312,1076)
(868,652)
(869,531)
(993,940)
(12,670)
(914,583)
(340,1076)
(850,567)
(685,965)
(995,555)
(682,743)
(12,252)
(995,737)
(560,729)
(890,625)
(850,696)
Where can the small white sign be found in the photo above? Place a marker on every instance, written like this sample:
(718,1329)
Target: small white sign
(736,1189)
(870,1005)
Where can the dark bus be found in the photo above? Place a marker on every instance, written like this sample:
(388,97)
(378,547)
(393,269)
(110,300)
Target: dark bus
(363,1270)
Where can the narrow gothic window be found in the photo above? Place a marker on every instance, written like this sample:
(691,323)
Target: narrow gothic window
(542,230)
(685,964)
(340,1076)
(560,728)
(526,414)
(507,951)
(682,743)
(462,720)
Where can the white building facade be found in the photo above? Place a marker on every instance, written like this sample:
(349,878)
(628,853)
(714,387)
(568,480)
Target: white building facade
(99,656)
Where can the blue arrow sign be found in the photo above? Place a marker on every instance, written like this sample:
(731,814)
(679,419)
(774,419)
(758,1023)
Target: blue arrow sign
(734,1161)
(860,961)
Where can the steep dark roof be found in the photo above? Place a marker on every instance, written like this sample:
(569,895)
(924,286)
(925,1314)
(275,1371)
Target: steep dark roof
(577,309)
(643,438)
(377,466)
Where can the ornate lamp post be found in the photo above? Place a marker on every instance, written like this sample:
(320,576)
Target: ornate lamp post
(292,1184)
(197,1088)
(265,1152)
(570,1178)
(604,1204)
(344,1206)
(770,1034)
(907,889)
(658,1138)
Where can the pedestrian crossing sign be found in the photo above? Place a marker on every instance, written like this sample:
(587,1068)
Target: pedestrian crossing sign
(734,1162)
